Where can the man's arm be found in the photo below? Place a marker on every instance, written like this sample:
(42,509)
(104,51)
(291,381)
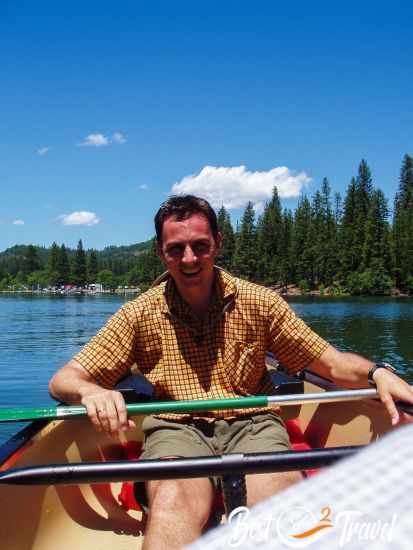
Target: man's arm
(106,409)
(351,370)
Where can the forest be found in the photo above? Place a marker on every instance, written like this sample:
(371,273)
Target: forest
(331,244)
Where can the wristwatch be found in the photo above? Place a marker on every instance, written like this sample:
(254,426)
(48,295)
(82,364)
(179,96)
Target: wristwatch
(373,369)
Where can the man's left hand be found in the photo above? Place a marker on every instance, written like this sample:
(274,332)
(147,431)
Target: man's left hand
(390,388)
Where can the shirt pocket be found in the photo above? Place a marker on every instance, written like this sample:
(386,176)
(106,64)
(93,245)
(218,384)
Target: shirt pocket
(244,365)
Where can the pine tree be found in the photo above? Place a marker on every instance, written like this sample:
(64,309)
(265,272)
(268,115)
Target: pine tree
(362,205)
(326,237)
(316,244)
(32,262)
(364,188)
(63,266)
(376,244)
(52,264)
(226,254)
(286,265)
(403,224)
(338,210)
(79,266)
(269,241)
(53,258)
(245,257)
(148,267)
(406,182)
(372,277)
(92,267)
(302,243)
(347,236)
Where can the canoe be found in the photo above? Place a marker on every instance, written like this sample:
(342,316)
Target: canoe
(96,515)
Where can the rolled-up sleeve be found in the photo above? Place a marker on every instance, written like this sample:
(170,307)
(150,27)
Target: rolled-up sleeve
(109,355)
(291,340)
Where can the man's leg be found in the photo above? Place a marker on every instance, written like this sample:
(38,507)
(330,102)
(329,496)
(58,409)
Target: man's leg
(262,432)
(178,511)
(262,486)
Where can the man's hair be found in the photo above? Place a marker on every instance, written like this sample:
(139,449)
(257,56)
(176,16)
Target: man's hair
(182,207)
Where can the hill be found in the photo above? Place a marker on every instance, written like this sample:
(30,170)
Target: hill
(20,261)
(19,251)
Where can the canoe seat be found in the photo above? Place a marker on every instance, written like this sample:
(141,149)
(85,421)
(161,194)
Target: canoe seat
(132,495)
(298,441)
(127,498)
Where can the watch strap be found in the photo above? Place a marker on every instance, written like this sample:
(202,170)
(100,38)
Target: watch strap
(373,369)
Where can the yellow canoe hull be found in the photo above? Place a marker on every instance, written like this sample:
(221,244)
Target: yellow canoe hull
(90,516)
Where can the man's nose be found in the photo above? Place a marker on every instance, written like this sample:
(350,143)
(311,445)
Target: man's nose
(189,255)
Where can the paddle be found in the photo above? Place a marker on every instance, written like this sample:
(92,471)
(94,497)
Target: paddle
(176,468)
(157,407)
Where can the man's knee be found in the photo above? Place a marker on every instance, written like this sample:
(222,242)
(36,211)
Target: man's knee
(176,497)
(262,486)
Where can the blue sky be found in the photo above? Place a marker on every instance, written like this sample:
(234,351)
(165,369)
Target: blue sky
(106,106)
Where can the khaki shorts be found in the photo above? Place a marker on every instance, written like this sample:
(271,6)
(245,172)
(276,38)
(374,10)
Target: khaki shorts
(256,433)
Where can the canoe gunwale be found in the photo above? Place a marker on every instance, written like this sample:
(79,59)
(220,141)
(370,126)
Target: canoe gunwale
(19,439)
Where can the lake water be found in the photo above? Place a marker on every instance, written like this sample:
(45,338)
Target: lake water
(38,334)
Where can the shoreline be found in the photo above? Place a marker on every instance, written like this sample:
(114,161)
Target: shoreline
(289,291)
(293,290)
(73,292)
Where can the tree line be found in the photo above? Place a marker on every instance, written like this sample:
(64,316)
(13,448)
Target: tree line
(36,267)
(332,244)
(328,243)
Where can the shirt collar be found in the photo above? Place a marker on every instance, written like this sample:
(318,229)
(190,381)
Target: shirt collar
(224,291)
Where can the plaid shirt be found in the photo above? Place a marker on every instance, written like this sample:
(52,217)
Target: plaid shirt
(220,356)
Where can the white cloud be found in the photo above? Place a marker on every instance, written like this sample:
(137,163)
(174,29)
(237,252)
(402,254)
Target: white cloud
(79,218)
(144,187)
(94,140)
(18,222)
(234,186)
(118,137)
(43,151)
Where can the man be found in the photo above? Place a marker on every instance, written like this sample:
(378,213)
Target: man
(201,334)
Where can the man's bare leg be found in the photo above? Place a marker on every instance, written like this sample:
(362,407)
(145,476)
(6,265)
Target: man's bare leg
(262,486)
(178,511)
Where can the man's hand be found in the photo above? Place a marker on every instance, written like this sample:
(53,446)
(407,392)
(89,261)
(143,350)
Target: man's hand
(351,371)
(107,411)
(390,388)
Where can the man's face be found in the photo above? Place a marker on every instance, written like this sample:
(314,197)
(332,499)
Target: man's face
(189,251)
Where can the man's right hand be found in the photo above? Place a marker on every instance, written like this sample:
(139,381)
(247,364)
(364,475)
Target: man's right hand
(106,409)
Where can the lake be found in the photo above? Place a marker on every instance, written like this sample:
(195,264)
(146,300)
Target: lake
(38,334)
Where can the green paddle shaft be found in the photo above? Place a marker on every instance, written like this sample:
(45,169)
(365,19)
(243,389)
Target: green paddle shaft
(190,406)
(156,407)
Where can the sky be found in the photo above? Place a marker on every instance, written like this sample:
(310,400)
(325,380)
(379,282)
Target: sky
(106,108)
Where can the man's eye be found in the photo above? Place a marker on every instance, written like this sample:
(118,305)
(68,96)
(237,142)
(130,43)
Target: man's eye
(175,250)
(201,248)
